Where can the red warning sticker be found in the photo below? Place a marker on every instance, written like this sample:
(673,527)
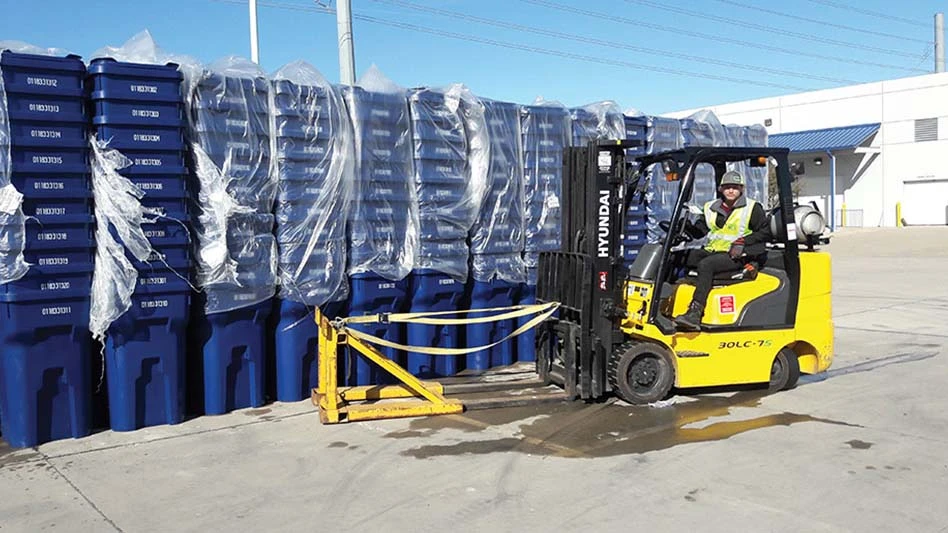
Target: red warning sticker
(726,304)
(603,280)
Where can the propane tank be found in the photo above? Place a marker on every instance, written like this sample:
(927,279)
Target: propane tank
(810,222)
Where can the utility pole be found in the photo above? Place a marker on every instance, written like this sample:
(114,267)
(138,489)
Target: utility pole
(254,43)
(939,42)
(344,29)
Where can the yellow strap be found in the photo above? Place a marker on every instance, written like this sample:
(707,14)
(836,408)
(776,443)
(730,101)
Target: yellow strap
(428,350)
(512,312)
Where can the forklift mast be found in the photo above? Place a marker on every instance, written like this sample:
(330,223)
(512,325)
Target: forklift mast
(587,275)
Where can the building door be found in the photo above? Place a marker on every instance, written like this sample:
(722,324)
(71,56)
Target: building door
(925,202)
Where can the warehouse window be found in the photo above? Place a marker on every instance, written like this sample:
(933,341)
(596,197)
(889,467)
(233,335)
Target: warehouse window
(926,129)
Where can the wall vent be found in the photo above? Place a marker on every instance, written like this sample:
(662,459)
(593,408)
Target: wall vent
(926,129)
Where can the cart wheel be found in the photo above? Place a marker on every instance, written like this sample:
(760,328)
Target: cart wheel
(785,370)
(641,373)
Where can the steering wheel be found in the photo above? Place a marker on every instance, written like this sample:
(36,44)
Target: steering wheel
(680,237)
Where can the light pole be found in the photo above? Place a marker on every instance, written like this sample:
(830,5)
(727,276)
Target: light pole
(254,42)
(346,54)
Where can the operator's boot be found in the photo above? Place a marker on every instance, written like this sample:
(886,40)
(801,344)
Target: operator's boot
(690,319)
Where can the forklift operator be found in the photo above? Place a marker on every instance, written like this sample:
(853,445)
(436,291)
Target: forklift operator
(737,230)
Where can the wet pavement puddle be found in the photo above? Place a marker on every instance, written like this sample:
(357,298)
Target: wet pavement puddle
(601,430)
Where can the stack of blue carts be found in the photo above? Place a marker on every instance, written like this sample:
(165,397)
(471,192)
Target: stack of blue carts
(139,111)
(313,155)
(497,268)
(381,251)
(635,232)
(636,128)
(44,316)
(545,132)
(758,187)
(660,135)
(663,135)
(230,125)
(736,137)
(440,153)
(597,122)
(584,126)
(699,130)
(755,136)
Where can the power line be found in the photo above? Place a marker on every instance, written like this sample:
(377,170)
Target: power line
(525,48)
(609,44)
(822,22)
(319,8)
(772,29)
(869,12)
(678,32)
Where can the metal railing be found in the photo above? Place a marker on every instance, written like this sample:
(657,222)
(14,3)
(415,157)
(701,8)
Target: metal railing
(849,218)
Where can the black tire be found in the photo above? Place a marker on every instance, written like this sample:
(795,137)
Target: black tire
(545,354)
(641,372)
(784,371)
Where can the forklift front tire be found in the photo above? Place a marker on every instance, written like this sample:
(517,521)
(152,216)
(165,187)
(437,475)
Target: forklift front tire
(641,372)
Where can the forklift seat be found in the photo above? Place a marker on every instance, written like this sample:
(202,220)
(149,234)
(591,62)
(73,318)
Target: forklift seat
(721,279)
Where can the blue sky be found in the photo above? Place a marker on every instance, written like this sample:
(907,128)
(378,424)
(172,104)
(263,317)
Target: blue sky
(209,29)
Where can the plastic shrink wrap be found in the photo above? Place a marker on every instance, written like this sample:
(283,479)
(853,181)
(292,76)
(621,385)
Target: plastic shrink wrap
(451,153)
(315,165)
(119,234)
(497,238)
(704,129)
(758,186)
(234,183)
(661,135)
(546,130)
(597,121)
(125,178)
(383,233)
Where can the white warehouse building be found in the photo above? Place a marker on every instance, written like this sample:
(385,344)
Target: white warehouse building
(887,142)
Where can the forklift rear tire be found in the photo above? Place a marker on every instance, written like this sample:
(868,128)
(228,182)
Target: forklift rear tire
(785,370)
(641,372)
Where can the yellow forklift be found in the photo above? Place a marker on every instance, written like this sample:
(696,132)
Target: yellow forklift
(604,328)
(614,332)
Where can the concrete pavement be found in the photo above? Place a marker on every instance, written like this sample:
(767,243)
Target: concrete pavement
(861,448)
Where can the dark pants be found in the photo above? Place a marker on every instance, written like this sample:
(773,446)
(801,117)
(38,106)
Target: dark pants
(708,264)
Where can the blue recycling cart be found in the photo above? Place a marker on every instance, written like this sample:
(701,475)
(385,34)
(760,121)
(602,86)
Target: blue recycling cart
(441,173)
(545,131)
(139,110)
(229,329)
(45,382)
(380,222)
(497,238)
(307,142)
(370,295)
(486,295)
(228,371)
(432,291)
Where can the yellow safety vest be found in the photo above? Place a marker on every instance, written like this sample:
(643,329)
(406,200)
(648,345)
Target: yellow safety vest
(735,227)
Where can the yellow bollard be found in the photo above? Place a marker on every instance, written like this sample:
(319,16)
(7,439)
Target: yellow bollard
(842,216)
(898,214)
